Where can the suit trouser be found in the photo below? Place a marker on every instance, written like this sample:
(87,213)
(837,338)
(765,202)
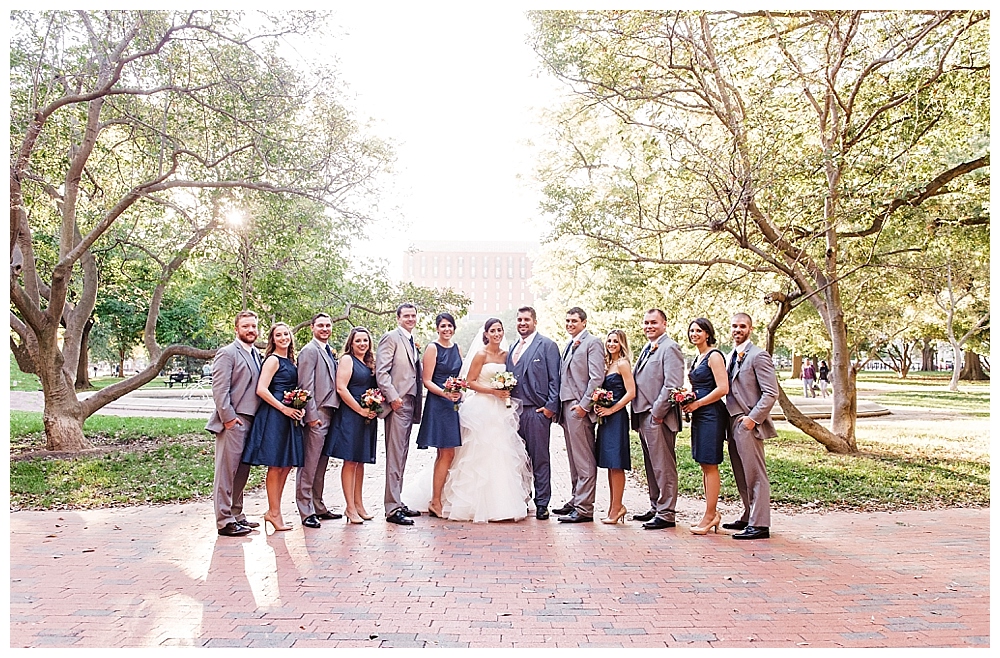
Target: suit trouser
(231,473)
(746,454)
(536,429)
(398,425)
(581,443)
(660,459)
(310,478)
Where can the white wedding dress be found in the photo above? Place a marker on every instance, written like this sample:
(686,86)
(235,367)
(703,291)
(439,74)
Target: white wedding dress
(490,477)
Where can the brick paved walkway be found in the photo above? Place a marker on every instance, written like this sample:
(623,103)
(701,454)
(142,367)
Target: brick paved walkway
(160,576)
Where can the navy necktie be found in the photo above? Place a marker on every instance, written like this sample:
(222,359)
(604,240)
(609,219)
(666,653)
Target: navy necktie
(732,364)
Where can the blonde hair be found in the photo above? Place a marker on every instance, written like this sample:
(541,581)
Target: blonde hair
(622,341)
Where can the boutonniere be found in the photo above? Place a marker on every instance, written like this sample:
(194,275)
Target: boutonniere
(654,347)
(576,343)
(416,343)
(740,357)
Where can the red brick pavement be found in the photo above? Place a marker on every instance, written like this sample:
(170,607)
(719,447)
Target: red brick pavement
(161,577)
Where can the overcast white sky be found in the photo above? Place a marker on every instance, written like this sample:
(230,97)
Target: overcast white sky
(457,91)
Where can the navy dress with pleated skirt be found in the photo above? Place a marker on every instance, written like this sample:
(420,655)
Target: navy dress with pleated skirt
(613,432)
(708,424)
(352,436)
(440,426)
(275,439)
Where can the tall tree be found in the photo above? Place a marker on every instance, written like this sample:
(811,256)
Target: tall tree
(140,119)
(784,148)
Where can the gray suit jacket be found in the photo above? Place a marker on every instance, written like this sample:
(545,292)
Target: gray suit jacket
(582,371)
(753,390)
(318,375)
(654,377)
(537,374)
(397,371)
(234,386)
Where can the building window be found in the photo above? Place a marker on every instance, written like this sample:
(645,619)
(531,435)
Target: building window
(510,296)
(522,296)
(472,267)
(510,285)
(524,268)
(435,266)
(423,266)
(498,266)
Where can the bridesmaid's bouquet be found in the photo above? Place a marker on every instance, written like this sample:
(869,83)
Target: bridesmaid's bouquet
(455,385)
(372,400)
(296,399)
(681,396)
(602,397)
(504,381)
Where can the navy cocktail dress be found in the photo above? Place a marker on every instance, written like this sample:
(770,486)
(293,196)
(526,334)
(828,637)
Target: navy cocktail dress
(352,436)
(613,432)
(275,439)
(708,424)
(440,426)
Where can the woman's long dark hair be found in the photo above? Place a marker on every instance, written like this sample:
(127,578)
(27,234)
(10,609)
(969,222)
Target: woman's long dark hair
(269,350)
(369,358)
(705,326)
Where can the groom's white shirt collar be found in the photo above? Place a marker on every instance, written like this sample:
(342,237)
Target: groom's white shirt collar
(406,334)
(740,349)
(527,340)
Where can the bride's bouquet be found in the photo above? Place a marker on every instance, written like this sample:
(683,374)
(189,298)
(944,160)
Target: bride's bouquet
(296,399)
(602,397)
(504,381)
(455,385)
(372,400)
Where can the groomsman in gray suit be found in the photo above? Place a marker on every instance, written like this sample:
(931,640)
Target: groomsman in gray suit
(534,360)
(581,374)
(753,390)
(659,368)
(235,371)
(397,371)
(317,374)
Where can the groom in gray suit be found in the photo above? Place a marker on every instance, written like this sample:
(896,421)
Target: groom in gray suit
(581,374)
(397,371)
(235,371)
(534,360)
(753,390)
(660,367)
(317,374)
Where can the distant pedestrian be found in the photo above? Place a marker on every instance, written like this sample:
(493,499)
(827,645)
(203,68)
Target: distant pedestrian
(824,378)
(808,379)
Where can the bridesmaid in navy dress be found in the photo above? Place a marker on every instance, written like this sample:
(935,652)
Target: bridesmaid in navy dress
(352,434)
(613,451)
(440,427)
(276,435)
(709,416)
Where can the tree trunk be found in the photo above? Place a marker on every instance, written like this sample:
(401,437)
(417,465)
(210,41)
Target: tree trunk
(83,364)
(62,416)
(928,355)
(972,368)
(796,366)
(956,366)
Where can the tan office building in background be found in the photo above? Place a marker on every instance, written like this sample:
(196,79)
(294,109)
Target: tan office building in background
(494,275)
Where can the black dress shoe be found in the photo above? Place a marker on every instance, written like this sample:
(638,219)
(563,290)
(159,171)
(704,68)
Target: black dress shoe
(329,516)
(399,518)
(542,513)
(645,516)
(656,523)
(248,523)
(233,529)
(409,512)
(565,509)
(753,532)
(575,517)
(735,525)
(311,521)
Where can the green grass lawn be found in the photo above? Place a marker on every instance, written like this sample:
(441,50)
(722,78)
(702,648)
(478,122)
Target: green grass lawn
(140,461)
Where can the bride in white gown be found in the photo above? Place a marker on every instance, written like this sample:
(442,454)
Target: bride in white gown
(490,477)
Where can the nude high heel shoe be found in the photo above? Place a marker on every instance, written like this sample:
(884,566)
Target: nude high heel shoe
(703,530)
(618,517)
(278,528)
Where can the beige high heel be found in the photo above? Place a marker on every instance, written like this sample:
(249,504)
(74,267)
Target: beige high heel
(277,528)
(703,530)
(366,516)
(619,517)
